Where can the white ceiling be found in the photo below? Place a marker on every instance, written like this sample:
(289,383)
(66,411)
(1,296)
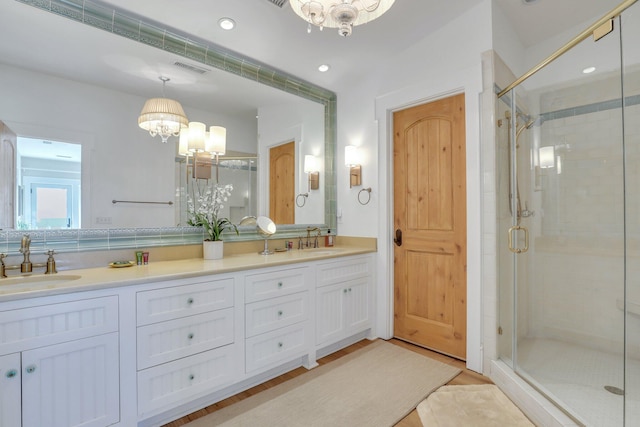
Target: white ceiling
(265,32)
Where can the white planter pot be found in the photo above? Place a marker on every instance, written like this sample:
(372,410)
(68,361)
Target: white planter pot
(212,250)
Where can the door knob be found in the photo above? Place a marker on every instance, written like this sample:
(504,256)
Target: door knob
(398,239)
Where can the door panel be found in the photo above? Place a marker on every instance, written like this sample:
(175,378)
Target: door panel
(282,183)
(430,211)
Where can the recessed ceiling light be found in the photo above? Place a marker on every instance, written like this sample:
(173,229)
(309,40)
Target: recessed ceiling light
(529,1)
(323,68)
(226,23)
(589,70)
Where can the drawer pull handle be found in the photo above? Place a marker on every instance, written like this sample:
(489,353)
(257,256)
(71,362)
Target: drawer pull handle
(279,284)
(11,373)
(190,301)
(280,344)
(191,377)
(30,369)
(280,313)
(345,291)
(190,336)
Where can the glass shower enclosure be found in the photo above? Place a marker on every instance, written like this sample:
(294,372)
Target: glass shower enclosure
(568,186)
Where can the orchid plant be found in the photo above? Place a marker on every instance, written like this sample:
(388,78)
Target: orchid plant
(204,211)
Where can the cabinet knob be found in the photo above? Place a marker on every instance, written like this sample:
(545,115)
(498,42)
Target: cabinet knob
(279,284)
(190,336)
(191,377)
(30,369)
(280,344)
(11,373)
(279,312)
(190,301)
(345,291)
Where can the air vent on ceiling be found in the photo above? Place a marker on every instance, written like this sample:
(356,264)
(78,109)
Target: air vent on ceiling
(192,68)
(278,3)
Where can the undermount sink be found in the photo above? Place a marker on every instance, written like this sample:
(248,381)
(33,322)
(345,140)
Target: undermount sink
(322,251)
(38,280)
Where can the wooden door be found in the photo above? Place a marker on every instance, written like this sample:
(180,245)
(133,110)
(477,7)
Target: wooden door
(430,213)
(8,144)
(282,183)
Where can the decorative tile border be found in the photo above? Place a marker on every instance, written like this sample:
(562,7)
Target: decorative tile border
(131,238)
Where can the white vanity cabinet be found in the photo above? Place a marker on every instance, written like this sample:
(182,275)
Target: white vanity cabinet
(184,342)
(277,326)
(343,299)
(59,363)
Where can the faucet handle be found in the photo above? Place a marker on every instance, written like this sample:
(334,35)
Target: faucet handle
(51,263)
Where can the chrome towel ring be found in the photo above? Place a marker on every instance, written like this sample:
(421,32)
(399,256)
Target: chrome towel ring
(368,190)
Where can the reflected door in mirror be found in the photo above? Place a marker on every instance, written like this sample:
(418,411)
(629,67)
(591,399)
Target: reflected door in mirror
(282,183)
(7,184)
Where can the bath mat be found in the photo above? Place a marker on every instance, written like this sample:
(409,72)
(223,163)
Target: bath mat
(377,385)
(470,405)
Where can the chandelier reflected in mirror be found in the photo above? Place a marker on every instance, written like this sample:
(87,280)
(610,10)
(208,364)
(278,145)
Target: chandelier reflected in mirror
(162,116)
(340,14)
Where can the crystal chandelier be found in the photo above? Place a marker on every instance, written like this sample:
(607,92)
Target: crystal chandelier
(340,14)
(162,116)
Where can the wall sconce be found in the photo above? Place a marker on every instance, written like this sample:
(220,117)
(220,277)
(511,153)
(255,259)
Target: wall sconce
(196,142)
(352,161)
(312,168)
(547,157)
(217,144)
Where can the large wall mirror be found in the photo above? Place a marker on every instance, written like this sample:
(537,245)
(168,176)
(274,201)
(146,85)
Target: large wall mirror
(56,91)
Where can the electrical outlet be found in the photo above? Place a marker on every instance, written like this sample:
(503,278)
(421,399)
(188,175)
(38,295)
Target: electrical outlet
(103,220)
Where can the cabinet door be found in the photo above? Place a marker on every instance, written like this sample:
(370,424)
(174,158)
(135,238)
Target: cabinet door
(329,313)
(72,384)
(356,305)
(10,391)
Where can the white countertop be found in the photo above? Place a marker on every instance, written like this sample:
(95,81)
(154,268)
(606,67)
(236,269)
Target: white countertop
(37,285)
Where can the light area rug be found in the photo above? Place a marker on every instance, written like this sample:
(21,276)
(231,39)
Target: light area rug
(377,385)
(470,405)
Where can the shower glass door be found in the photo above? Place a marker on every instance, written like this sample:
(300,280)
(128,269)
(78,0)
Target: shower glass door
(565,231)
(630,29)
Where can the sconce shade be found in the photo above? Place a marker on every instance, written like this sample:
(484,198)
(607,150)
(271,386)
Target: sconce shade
(217,142)
(162,116)
(547,157)
(197,136)
(351,157)
(311,163)
(183,142)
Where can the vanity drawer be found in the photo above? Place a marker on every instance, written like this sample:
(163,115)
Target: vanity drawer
(277,283)
(165,341)
(331,272)
(276,347)
(265,316)
(165,386)
(37,326)
(160,305)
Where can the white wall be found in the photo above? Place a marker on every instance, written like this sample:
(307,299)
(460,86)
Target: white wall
(444,63)
(120,160)
(303,122)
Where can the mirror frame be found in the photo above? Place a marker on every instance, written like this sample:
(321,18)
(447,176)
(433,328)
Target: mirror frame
(137,29)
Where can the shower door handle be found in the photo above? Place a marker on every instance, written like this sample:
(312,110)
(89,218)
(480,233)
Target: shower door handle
(512,246)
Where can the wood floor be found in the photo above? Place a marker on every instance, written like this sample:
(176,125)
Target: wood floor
(411,420)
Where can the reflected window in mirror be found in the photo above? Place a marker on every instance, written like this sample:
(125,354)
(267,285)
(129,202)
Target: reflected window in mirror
(48,183)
